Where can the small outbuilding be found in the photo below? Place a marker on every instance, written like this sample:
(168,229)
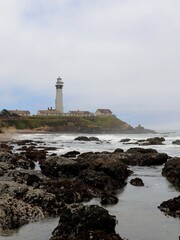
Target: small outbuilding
(49,112)
(103,112)
(80,113)
(22,113)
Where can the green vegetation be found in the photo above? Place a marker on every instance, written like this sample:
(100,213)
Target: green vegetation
(94,124)
(66,124)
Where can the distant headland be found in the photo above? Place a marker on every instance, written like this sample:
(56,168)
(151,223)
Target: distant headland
(56,120)
(68,124)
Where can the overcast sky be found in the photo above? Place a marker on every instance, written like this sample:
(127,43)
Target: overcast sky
(117,54)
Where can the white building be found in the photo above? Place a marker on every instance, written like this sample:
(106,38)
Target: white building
(59,95)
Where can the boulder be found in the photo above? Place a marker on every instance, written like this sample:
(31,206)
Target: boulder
(29,177)
(171,207)
(118,150)
(35,154)
(69,190)
(85,223)
(82,138)
(15,213)
(143,157)
(177,142)
(71,154)
(94,139)
(16,160)
(109,199)
(171,171)
(137,182)
(125,140)
(102,170)
(55,166)
(153,141)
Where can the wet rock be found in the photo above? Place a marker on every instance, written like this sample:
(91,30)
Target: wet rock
(137,182)
(85,223)
(24,142)
(69,190)
(35,154)
(177,142)
(46,201)
(82,138)
(125,140)
(5,167)
(5,156)
(6,146)
(141,150)
(35,197)
(15,213)
(98,179)
(16,160)
(71,154)
(29,177)
(143,157)
(109,199)
(102,170)
(94,139)
(60,167)
(171,171)
(171,207)
(118,150)
(153,141)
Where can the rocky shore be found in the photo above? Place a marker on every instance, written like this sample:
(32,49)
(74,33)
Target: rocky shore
(171,171)
(64,183)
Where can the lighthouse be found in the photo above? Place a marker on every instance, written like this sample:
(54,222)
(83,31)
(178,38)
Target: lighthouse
(59,95)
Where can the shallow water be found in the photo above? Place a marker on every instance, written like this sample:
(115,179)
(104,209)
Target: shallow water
(41,230)
(137,213)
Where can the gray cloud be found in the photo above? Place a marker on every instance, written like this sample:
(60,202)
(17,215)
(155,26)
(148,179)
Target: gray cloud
(119,54)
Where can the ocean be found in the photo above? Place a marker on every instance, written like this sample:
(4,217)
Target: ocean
(137,213)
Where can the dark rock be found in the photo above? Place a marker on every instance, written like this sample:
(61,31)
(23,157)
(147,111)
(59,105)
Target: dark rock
(102,170)
(171,207)
(69,190)
(171,171)
(71,154)
(98,179)
(141,150)
(60,167)
(108,199)
(94,139)
(177,142)
(143,157)
(85,223)
(153,141)
(5,156)
(16,160)
(82,138)
(24,142)
(5,167)
(118,150)
(35,154)
(137,182)
(124,140)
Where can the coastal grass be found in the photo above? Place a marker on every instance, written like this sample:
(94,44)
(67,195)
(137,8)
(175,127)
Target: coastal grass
(35,122)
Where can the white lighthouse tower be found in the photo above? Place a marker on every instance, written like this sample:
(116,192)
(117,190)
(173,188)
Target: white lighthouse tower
(59,95)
